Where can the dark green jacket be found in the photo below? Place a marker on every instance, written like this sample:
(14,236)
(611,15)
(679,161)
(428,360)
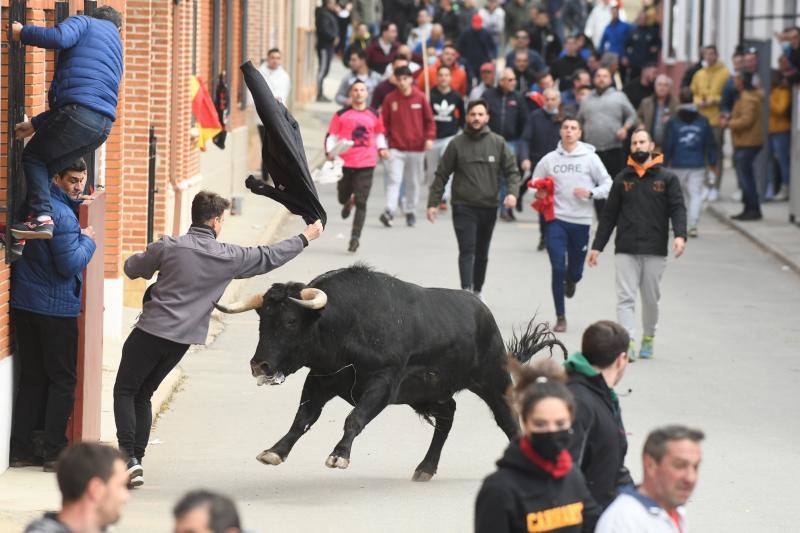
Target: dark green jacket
(477,161)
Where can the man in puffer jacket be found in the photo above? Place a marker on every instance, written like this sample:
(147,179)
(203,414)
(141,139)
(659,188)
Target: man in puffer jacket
(689,147)
(46,301)
(82,106)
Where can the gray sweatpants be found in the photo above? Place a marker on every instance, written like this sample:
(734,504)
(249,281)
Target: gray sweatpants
(638,273)
(406,169)
(691,180)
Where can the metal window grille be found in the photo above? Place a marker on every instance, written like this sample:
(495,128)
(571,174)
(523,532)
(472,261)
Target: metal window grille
(15,185)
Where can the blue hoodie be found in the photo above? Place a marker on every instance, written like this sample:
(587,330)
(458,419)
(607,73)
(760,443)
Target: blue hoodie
(48,278)
(89,66)
(688,140)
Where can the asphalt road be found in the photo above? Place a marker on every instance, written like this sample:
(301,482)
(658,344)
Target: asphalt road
(725,362)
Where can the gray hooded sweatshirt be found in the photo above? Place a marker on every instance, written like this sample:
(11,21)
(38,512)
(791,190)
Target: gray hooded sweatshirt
(603,115)
(47,524)
(193,272)
(579,168)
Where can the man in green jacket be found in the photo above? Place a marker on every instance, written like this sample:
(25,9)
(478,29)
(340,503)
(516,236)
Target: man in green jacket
(477,159)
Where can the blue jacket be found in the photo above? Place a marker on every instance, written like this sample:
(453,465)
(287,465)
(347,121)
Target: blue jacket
(689,141)
(89,65)
(48,278)
(614,37)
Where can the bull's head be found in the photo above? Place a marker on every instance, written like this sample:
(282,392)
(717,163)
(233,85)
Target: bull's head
(287,312)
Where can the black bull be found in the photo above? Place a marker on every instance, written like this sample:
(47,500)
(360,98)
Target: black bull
(374,340)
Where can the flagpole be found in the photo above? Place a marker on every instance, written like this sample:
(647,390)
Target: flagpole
(425,71)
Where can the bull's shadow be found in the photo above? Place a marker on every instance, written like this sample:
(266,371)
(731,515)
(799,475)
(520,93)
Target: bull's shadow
(374,340)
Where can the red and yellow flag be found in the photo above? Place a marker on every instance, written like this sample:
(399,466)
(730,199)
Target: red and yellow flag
(205,113)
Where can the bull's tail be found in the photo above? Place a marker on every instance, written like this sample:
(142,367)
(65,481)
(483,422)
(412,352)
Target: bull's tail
(535,337)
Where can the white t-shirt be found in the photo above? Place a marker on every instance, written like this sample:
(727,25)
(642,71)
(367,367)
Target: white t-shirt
(278,82)
(632,512)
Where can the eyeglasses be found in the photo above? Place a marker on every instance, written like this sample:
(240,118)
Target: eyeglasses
(509,79)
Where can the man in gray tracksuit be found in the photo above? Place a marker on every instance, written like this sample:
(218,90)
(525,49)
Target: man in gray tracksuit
(193,272)
(578,178)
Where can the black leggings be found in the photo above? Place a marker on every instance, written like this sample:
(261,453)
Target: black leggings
(474,227)
(356,182)
(146,361)
(614,161)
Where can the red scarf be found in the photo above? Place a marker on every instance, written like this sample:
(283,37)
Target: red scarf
(557,470)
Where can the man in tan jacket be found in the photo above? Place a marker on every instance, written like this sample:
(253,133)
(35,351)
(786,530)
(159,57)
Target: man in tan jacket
(747,134)
(707,86)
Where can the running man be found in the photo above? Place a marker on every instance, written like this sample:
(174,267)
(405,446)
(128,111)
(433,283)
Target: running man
(578,178)
(363,126)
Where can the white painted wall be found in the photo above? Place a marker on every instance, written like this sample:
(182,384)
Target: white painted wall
(6,399)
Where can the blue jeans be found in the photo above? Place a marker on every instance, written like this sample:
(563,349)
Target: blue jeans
(70,132)
(779,142)
(743,159)
(567,244)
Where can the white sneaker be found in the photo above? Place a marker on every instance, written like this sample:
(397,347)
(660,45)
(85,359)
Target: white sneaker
(782,195)
(736,196)
(479,296)
(713,194)
(706,194)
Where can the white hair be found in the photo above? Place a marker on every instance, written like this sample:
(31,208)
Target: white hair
(664,77)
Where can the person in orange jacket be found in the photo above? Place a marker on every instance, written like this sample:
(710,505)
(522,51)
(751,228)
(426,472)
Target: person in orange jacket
(458,76)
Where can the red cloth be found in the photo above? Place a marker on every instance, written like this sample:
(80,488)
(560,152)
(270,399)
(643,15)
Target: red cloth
(407,120)
(546,205)
(537,98)
(557,470)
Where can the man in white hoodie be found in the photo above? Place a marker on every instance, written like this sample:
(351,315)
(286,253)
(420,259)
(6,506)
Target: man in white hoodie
(578,177)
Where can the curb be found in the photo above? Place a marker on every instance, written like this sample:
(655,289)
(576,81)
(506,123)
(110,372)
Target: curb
(163,395)
(722,216)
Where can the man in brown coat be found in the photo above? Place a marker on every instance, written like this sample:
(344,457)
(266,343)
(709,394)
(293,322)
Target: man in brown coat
(747,134)
(655,111)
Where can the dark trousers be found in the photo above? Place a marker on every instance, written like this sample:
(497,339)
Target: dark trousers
(146,361)
(566,245)
(262,132)
(614,161)
(356,182)
(47,348)
(474,227)
(70,132)
(325,56)
(743,159)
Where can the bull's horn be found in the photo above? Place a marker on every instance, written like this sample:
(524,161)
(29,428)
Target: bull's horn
(311,299)
(254,302)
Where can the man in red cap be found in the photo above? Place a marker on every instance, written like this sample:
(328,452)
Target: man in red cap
(476,47)
(487,81)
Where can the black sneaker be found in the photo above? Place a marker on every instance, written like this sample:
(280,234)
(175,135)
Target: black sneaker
(386,219)
(561,324)
(542,245)
(411,220)
(348,207)
(742,217)
(322,98)
(353,244)
(33,229)
(135,473)
(569,288)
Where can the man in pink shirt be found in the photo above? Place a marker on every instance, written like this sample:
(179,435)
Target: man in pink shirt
(408,122)
(363,126)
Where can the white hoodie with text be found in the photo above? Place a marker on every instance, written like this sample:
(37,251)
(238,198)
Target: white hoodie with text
(581,167)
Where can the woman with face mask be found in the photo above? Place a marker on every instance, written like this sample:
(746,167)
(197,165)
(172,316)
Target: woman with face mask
(536,487)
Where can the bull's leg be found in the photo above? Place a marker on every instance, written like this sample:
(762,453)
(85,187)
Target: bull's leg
(443,414)
(372,401)
(493,393)
(316,393)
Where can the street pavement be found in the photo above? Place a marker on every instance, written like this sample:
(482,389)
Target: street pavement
(725,362)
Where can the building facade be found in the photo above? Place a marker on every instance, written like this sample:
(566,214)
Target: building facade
(165,43)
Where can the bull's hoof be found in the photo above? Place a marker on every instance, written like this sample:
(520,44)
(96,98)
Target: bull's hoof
(337,462)
(421,475)
(269,458)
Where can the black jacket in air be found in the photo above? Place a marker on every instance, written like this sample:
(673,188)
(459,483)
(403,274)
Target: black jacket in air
(641,210)
(520,496)
(598,444)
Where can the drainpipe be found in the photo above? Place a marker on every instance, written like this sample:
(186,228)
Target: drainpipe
(174,131)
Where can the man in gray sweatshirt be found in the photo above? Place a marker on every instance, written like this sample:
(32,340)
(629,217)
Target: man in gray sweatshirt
(607,116)
(193,272)
(578,177)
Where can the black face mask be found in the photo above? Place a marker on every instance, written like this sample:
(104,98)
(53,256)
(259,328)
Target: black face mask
(640,157)
(550,445)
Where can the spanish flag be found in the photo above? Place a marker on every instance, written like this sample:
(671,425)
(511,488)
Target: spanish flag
(205,113)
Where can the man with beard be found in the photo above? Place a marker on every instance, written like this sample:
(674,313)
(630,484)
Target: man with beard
(540,137)
(644,199)
(671,462)
(383,49)
(363,126)
(607,116)
(476,159)
(643,86)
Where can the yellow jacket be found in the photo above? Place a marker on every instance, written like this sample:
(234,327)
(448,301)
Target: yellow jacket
(707,84)
(745,122)
(780,101)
